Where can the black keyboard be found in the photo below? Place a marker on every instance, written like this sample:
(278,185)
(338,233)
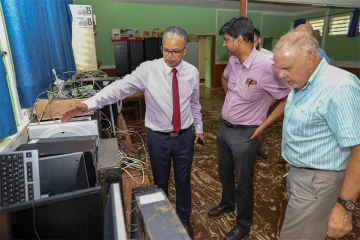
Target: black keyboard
(19,177)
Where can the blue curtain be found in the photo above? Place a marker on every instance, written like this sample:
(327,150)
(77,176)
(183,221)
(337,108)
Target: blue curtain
(7,121)
(40,39)
(353,28)
(299,21)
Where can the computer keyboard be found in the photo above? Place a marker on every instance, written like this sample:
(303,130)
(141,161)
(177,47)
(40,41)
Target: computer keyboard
(19,180)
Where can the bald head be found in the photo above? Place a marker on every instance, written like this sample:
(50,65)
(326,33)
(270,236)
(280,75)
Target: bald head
(298,41)
(296,55)
(306,27)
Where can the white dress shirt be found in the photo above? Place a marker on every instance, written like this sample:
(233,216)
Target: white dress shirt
(154,79)
(267,52)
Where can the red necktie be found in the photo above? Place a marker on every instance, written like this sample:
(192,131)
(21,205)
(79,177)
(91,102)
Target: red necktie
(176,121)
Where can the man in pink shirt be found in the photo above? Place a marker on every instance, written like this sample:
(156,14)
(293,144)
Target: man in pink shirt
(251,82)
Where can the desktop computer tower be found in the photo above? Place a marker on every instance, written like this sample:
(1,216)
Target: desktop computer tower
(129,55)
(156,217)
(121,58)
(57,146)
(134,218)
(108,164)
(136,51)
(152,48)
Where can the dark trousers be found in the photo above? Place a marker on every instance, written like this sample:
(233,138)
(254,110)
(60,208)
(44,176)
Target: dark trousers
(237,151)
(180,149)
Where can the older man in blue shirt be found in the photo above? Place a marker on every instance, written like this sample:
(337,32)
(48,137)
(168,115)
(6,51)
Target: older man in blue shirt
(321,140)
(308,28)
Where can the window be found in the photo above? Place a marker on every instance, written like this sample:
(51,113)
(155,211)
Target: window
(339,24)
(317,24)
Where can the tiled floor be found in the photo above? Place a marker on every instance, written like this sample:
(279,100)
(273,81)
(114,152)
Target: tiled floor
(270,192)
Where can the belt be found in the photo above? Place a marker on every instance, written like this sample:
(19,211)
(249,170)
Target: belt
(174,134)
(312,169)
(237,126)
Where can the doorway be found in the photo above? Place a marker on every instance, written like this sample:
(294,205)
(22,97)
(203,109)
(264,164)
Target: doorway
(206,59)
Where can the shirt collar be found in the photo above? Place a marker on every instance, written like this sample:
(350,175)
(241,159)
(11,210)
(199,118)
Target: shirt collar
(249,60)
(169,69)
(323,64)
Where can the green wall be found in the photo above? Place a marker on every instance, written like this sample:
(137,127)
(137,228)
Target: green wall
(198,20)
(276,26)
(110,15)
(222,17)
(195,20)
(340,47)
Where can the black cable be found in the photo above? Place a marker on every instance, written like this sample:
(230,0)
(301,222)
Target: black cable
(34,220)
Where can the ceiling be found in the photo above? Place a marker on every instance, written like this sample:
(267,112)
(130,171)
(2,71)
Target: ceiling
(287,7)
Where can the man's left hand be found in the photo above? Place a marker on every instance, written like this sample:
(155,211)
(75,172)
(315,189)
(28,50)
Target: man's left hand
(258,134)
(339,221)
(199,135)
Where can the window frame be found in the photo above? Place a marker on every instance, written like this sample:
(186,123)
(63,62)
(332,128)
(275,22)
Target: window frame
(336,16)
(10,143)
(315,19)
(10,72)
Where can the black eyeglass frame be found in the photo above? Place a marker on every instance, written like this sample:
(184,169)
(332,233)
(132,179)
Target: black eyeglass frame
(173,51)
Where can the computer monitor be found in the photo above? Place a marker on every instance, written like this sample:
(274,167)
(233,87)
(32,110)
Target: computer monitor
(63,173)
(73,215)
(114,222)
(58,146)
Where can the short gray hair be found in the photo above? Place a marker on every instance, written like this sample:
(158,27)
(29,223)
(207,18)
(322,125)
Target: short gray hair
(300,41)
(175,31)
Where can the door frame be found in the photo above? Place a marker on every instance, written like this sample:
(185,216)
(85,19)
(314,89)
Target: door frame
(212,54)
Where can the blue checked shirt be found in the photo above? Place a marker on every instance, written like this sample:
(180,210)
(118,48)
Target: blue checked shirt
(322,120)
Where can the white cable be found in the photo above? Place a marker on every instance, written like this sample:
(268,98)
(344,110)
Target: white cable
(59,84)
(142,141)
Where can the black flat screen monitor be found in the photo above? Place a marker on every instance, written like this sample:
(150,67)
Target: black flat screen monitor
(114,220)
(73,215)
(62,174)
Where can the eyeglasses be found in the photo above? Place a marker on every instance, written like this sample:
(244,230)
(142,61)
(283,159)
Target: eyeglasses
(173,52)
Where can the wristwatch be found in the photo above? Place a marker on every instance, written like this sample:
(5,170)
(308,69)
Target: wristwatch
(347,204)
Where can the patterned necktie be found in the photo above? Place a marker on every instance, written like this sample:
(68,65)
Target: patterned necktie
(176,120)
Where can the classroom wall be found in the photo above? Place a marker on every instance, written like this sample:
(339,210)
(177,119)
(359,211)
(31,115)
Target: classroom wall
(110,15)
(275,26)
(340,47)
(195,20)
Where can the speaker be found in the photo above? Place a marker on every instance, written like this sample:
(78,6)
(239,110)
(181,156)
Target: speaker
(121,58)
(136,50)
(152,48)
